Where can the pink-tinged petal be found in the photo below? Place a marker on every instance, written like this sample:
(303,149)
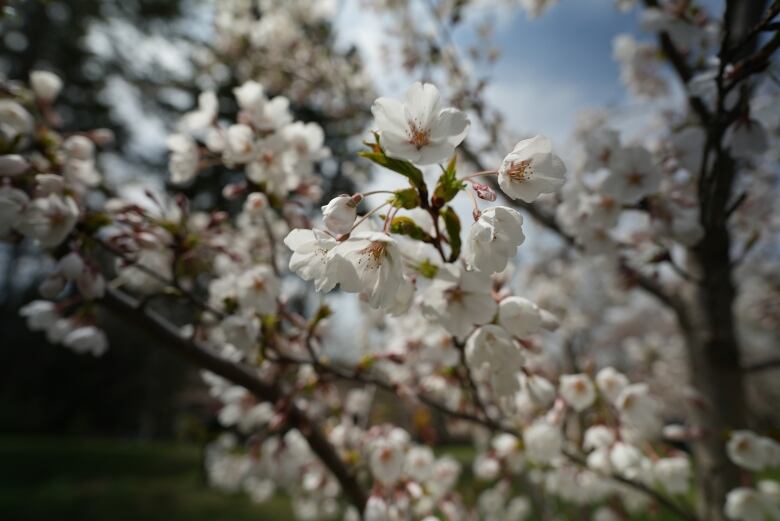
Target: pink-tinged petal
(389,115)
(423,103)
(452,125)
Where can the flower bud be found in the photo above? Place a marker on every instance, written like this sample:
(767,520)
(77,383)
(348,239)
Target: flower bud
(49,184)
(484,192)
(255,202)
(45,85)
(233,190)
(71,266)
(13,164)
(339,214)
(79,147)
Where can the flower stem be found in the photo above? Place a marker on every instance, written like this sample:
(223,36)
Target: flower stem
(369,214)
(477,174)
(374,192)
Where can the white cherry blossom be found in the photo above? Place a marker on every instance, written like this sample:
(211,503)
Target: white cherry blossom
(88,339)
(258,289)
(459,299)
(633,176)
(578,391)
(311,258)
(371,263)
(183,162)
(491,346)
(519,316)
(494,238)
(340,213)
(12,205)
(531,169)
(49,219)
(419,129)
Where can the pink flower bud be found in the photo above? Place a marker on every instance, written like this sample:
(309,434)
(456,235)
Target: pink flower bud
(484,192)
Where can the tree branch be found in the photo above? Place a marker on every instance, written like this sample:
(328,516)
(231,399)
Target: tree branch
(203,357)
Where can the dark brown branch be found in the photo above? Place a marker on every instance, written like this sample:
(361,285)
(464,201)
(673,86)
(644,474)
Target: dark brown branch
(762,366)
(680,66)
(753,64)
(548,221)
(662,500)
(203,357)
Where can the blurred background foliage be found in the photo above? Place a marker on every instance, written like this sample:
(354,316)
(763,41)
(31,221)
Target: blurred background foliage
(132,66)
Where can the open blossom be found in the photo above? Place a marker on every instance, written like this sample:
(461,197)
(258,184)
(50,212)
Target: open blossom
(611,382)
(49,219)
(598,437)
(494,238)
(241,331)
(258,289)
(46,85)
(419,130)
(40,314)
(87,339)
(519,316)
(491,346)
(387,460)
(310,259)
(745,504)
(272,166)
(578,391)
(340,213)
(12,204)
(627,460)
(239,144)
(265,114)
(753,452)
(531,169)
(419,463)
(639,409)
(205,114)
(633,175)
(673,474)
(371,263)
(183,162)
(459,299)
(543,441)
(306,141)
(14,120)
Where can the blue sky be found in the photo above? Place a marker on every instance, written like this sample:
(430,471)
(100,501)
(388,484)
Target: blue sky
(550,69)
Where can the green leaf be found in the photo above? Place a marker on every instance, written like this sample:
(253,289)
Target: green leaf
(452,225)
(448,185)
(403,225)
(405,168)
(407,198)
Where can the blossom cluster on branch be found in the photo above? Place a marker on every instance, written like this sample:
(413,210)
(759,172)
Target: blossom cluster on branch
(518,360)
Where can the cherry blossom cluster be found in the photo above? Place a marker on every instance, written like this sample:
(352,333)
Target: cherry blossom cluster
(564,379)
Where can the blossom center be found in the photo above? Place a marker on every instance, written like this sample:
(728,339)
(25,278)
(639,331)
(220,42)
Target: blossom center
(418,136)
(373,253)
(455,294)
(635,179)
(520,170)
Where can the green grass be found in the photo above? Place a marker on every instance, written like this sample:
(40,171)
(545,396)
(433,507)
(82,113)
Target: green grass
(44,479)
(96,480)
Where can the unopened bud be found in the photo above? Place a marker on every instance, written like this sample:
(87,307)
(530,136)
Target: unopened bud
(484,192)
(13,164)
(233,190)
